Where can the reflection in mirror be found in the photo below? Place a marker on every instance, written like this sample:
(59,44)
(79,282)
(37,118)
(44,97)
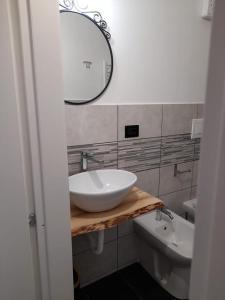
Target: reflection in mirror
(87,58)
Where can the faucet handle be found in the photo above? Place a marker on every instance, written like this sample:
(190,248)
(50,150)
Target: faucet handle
(90,156)
(86,154)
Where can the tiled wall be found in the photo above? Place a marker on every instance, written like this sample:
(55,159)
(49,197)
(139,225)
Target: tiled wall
(164,141)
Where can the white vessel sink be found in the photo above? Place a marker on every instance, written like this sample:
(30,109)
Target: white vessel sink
(100,190)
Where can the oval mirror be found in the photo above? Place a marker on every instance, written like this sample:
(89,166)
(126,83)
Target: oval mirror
(87,58)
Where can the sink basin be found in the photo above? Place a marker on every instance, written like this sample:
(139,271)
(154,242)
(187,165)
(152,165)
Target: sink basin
(100,190)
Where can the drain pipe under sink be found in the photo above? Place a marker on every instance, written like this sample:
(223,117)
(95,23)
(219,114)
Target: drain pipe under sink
(97,244)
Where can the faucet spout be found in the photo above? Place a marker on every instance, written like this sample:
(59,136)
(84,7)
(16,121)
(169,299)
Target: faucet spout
(161,211)
(83,163)
(85,157)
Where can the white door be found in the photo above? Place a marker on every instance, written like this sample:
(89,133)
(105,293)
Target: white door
(17,271)
(35,261)
(208,266)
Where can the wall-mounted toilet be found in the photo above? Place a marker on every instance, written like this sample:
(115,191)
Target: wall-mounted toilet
(165,250)
(189,208)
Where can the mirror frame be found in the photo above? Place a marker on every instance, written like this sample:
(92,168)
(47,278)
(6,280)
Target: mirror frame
(111,54)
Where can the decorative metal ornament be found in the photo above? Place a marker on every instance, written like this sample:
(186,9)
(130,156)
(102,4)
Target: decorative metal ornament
(67,4)
(72,5)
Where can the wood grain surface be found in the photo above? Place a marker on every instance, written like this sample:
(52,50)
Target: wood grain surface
(135,204)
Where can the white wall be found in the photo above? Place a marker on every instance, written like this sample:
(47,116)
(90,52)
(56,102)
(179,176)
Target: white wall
(160,50)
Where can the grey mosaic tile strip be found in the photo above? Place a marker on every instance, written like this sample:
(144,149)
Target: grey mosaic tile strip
(177,149)
(139,155)
(106,152)
(197,149)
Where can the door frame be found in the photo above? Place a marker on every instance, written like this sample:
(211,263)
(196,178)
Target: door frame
(43,89)
(208,266)
(18,272)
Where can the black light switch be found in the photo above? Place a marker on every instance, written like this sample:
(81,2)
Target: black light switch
(131,131)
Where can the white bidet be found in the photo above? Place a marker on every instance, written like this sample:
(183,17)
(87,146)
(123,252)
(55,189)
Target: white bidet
(165,250)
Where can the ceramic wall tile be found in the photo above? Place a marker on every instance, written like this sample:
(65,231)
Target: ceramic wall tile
(92,267)
(148,117)
(88,124)
(200,110)
(170,183)
(197,149)
(81,242)
(127,250)
(125,228)
(177,149)
(174,201)
(195,173)
(177,118)
(139,155)
(194,191)
(148,181)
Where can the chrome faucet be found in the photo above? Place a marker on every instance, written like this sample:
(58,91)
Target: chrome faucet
(161,211)
(85,157)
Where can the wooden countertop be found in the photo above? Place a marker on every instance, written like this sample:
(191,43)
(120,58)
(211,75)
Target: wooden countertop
(136,203)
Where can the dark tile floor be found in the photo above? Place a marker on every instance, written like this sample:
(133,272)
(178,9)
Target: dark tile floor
(131,283)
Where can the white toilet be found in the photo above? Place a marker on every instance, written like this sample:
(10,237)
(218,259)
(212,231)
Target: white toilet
(165,250)
(189,208)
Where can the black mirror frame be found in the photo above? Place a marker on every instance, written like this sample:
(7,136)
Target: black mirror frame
(111,54)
